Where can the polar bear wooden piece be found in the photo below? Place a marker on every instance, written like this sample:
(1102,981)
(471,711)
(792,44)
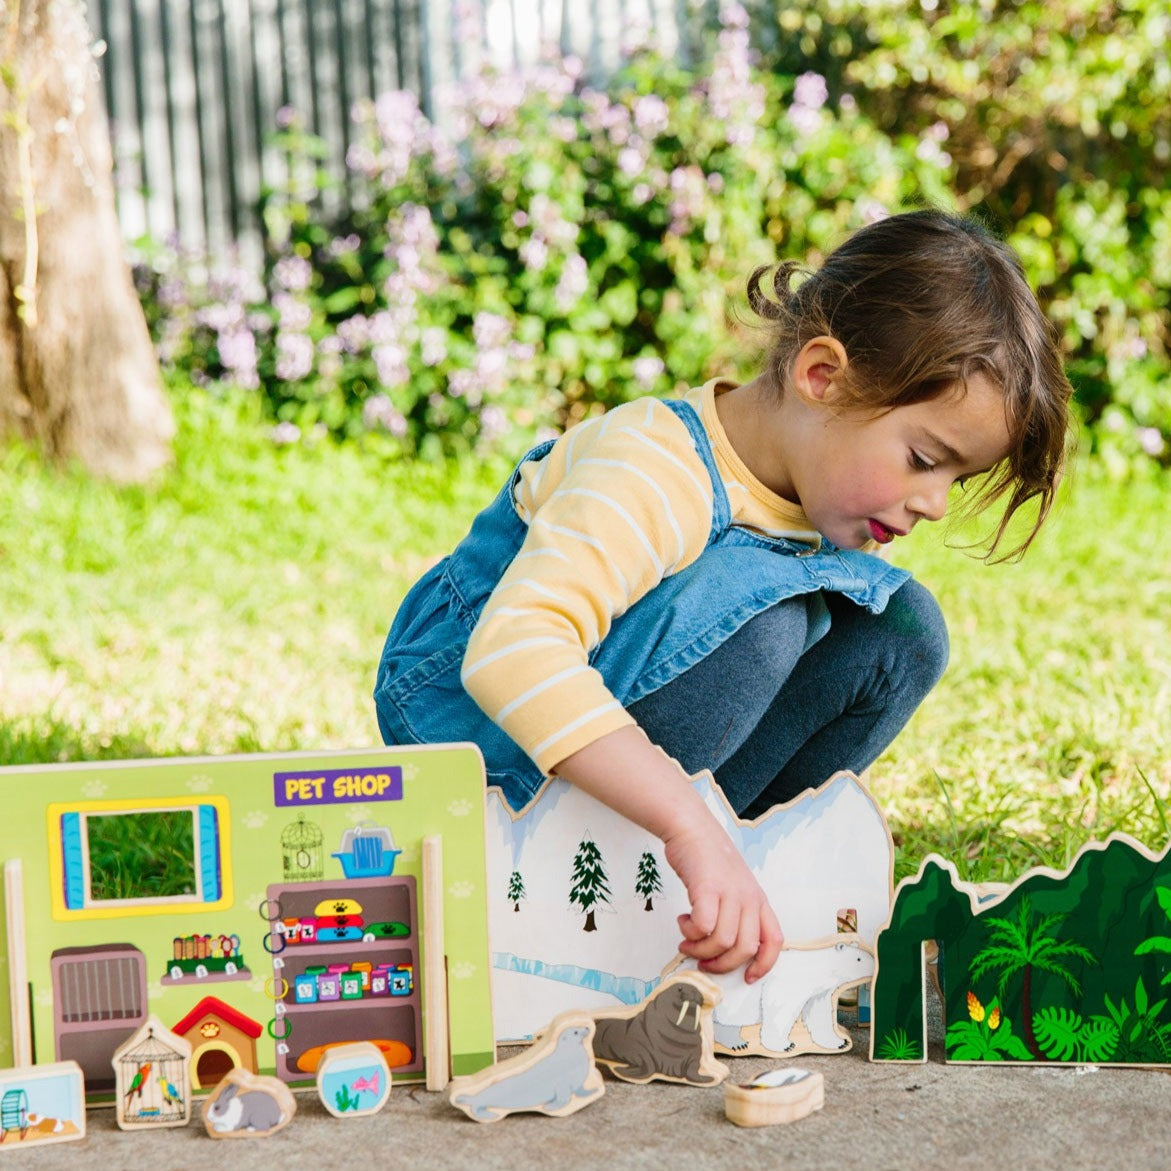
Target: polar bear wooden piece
(802,988)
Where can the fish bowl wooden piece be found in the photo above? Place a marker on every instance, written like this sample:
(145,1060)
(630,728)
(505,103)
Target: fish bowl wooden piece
(353,1080)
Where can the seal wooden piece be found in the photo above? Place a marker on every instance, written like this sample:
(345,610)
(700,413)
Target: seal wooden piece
(248,1105)
(353,1080)
(668,1037)
(777,1097)
(556,1076)
(435,1026)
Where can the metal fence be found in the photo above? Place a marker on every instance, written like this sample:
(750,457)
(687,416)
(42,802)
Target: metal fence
(193,87)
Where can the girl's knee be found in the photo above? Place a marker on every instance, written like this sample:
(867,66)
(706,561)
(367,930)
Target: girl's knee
(919,623)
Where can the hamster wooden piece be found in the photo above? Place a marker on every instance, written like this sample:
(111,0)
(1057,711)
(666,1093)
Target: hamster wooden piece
(248,1105)
(556,1076)
(668,1037)
(41,1104)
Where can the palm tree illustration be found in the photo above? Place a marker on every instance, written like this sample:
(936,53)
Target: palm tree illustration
(1024,945)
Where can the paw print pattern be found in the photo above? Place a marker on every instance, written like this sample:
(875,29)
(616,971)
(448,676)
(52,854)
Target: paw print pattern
(463,970)
(462,890)
(44,998)
(154,991)
(459,808)
(255,819)
(356,814)
(94,788)
(410,772)
(199,783)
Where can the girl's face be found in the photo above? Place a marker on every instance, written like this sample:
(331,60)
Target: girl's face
(866,477)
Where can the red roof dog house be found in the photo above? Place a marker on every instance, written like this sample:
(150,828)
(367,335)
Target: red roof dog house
(222,1039)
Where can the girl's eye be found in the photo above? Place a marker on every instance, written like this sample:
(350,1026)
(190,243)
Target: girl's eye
(919,463)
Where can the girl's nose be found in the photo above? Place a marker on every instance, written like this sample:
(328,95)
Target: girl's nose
(930,500)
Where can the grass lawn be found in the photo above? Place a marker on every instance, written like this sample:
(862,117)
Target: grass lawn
(239,605)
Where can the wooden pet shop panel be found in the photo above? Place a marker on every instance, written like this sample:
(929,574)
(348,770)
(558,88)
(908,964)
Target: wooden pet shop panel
(1067,966)
(263,908)
(668,1037)
(247,1105)
(583,910)
(41,1104)
(556,1076)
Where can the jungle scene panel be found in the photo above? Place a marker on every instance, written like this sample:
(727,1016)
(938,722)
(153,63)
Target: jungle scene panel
(1070,967)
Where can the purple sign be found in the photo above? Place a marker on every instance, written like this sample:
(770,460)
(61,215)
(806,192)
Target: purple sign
(339,786)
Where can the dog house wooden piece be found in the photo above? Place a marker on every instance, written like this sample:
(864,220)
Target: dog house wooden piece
(221,1039)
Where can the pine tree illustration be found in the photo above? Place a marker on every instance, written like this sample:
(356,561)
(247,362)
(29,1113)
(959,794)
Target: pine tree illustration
(589,881)
(516,889)
(649,882)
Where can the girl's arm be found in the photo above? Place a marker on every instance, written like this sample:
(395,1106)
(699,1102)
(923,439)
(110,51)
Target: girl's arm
(731,921)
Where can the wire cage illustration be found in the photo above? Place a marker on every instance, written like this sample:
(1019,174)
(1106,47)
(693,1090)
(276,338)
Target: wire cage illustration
(303,851)
(151,1072)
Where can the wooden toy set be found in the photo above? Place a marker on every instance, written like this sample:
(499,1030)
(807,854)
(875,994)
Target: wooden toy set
(185,926)
(291,922)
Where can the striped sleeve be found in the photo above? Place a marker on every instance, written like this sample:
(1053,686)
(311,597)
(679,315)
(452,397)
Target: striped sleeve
(618,504)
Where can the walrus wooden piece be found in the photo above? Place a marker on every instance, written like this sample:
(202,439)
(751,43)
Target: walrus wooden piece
(556,1076)
(668,1037)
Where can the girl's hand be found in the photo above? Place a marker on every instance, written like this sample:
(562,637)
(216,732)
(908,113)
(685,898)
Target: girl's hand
(731,921)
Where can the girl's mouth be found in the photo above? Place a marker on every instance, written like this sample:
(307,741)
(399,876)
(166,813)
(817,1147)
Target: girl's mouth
(881,533)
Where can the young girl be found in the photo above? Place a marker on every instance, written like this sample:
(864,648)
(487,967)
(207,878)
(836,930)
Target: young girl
(692,581)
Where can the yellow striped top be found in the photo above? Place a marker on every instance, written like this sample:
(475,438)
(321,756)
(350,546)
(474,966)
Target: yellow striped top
(619,503)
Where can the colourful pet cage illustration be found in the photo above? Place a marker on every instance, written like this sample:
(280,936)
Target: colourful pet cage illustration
(367,851)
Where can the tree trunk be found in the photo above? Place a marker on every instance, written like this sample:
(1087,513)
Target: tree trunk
(590,925)
(78,374)
(649,906)
(1027,1014)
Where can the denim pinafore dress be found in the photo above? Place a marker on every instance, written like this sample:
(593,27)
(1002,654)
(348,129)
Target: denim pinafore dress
(740,573)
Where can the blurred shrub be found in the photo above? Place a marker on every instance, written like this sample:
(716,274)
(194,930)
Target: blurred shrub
(1057,121)
(562,249)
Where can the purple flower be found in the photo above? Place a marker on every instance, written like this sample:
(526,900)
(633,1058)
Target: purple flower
(434,346)
(810,91)
(294,273)
(651,115)
(285,433)
(646,370)
(379,411)
(294,356)
(391,362)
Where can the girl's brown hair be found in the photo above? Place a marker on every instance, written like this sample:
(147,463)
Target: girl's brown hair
(922,302)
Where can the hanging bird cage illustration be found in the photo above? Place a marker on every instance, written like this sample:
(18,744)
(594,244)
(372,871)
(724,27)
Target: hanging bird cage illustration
(303,851)
(151,1078)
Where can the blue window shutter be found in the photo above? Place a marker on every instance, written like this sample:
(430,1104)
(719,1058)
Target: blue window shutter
(73,880)
(209,853)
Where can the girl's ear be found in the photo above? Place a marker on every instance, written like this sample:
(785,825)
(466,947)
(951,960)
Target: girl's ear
(817,365)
